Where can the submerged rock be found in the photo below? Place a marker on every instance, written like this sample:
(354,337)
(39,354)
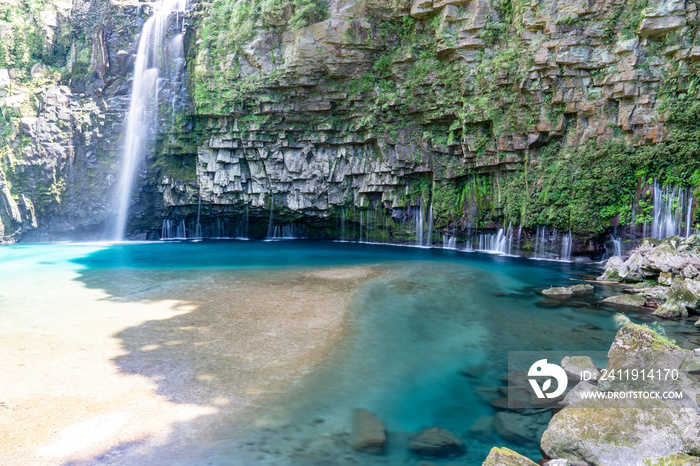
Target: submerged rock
(506,457)
(520,429)
(558,292)
(437,443)
(482,428)
(629,300)
(581,289)
(368,432)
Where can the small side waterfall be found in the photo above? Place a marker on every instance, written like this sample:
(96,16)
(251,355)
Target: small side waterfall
(154,54)
(270,231)
(673,210)
(617,246)
(289,231)
(501,242)
(566,247)
(167,230)
(449,242)
(540,243)
(420,222)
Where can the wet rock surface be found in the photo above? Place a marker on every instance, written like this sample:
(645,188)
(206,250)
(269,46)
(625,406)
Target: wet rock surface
(436,442)
(368,432)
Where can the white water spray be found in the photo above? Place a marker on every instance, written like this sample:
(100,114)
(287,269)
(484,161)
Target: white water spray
(154,53)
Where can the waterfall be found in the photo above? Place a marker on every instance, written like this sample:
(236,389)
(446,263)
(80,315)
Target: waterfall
(342,224)
(540,243)
(270,232)
(566,247)
(501,242)
(688,215)
(198,227)
(449,242)
(289,231)
(419,223)
(361,218)
(672,206)
(166,231)
(430,226)
(154,53)
(617,245)
(181,230)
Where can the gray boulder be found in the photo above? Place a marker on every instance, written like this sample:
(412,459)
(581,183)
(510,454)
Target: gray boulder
(671,310)
(665,278)
(691,438)
(665,258)
(596,431)
(629,300)
(574,365)
(581,289)
(506,457)
(558,292)
(437,443)
(690,271)
(685,292)
(368,432)
(683,295)
(615,270)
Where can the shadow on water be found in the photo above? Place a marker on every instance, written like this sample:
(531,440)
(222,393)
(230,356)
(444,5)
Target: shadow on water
(427,345)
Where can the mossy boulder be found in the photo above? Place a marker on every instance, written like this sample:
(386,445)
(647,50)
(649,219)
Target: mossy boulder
(506,457)
(558,292)
(581,289)
(685,292)
(626,300)
(590,433)
(665,278)
(665,258)
(631,431)
(691,438)
(676,459)
(683,295)
(671,310)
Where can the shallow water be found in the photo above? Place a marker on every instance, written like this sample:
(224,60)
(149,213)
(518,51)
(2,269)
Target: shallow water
(426,344)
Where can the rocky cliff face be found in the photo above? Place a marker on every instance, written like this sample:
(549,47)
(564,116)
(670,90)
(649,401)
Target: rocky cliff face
(553,113)
(63,97)
(556,113)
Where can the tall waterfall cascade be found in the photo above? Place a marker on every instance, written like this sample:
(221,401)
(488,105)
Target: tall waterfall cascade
(158,51)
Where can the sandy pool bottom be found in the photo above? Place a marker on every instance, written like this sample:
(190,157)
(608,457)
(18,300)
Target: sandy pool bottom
(153,372)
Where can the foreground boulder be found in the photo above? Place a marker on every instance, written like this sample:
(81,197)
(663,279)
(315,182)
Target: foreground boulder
(368,432)
(437,443)
(506,457)
(629,432)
